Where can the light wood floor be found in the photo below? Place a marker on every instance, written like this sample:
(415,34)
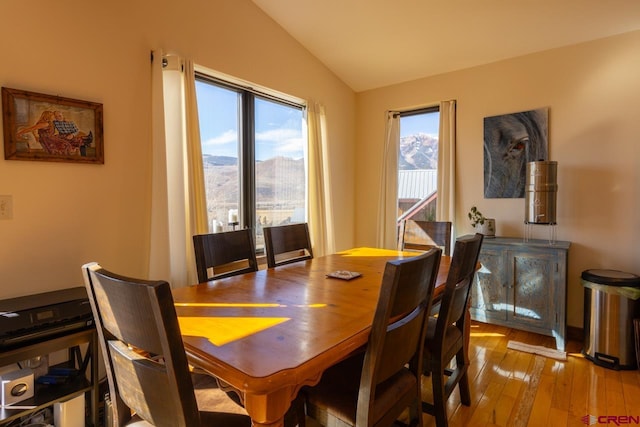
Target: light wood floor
(514,388)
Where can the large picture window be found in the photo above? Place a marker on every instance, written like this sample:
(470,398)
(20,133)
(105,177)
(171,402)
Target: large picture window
(254,153)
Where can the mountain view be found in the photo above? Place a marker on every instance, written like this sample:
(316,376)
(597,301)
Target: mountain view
(274,184)
(277,179)
(280,181)
(419,151)
(280,190)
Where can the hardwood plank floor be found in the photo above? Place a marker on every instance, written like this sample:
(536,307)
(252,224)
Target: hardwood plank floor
(511,388)
(514,388)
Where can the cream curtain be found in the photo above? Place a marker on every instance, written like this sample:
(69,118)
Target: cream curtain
(159,254)
(386,236)
(178,200)
(195,174)
(320,207)
(446,207)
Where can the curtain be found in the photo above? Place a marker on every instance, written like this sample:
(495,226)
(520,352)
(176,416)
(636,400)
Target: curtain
(320,208)
(446,207)
(197,201)
(159,229)
(178,203)
(386,235)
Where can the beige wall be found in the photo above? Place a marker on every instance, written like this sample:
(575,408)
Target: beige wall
(593,94)
(69,214)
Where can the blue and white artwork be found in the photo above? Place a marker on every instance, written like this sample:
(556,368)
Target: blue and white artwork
(510,142)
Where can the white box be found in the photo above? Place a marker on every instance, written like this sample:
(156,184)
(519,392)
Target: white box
(69,413)
(16,386)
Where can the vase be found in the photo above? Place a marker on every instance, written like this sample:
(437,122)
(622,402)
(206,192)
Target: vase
(488,228)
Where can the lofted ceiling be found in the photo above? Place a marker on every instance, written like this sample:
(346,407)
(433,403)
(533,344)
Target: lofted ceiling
(374,43)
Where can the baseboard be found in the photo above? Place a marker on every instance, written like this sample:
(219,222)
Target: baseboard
(575,333)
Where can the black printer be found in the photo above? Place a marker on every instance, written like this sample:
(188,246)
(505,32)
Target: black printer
(33,318)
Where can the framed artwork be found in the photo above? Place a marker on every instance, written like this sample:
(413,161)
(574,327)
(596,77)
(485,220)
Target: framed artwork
(510,142)
(51,128)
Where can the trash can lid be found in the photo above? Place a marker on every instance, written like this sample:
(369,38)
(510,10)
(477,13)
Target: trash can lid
(611,277)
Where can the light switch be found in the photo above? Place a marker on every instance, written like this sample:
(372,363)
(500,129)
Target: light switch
(6,207)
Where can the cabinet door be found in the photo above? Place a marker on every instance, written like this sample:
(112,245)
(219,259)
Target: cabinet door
(489,291)
(533,288)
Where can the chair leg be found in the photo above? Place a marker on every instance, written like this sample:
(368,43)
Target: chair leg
(415,413)
(439,396)
(296,415)
(302,414)
(465,394)
(463,382)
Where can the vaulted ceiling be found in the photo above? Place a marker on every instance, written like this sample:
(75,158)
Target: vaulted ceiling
(375,43)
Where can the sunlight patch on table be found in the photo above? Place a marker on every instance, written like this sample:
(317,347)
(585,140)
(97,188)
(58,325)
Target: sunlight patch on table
(223,330)
(372,252)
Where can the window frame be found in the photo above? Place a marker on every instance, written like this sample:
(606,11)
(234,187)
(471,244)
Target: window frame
(408,113)
(247,142)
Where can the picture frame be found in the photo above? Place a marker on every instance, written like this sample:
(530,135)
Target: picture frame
(51,128)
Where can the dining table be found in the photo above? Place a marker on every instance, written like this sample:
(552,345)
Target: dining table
(268,333)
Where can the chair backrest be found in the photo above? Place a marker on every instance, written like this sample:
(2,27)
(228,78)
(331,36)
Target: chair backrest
(285,244)
(220,255)
(423,235)
(398,329)
(459,281)
(142,348)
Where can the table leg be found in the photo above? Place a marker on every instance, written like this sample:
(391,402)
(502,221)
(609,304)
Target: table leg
(268,410)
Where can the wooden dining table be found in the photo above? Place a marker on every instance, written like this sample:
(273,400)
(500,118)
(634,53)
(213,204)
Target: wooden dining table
(269,333)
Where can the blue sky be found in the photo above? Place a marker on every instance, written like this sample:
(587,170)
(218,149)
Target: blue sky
(421,123)
(278,127)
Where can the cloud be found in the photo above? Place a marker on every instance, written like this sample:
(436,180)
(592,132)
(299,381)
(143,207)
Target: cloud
(283,141)
(278,135)
(270,143)
(222,139)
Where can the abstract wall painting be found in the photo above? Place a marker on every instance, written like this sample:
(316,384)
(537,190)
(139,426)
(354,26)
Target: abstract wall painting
(510,142)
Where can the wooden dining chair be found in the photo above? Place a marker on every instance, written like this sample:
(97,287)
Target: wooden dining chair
(376,386)
(226,254)
(423,235)
(144,355)
(446,338)
(285,244)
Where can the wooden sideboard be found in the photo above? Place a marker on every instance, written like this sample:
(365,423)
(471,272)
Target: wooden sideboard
(523,285)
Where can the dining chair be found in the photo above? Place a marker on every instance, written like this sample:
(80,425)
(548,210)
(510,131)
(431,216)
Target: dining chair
(446,337)
(226,254)
(285,244)
(374,387)
(423,235)
(145,360)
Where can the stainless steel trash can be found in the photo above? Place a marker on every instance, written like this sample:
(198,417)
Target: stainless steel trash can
(611,302)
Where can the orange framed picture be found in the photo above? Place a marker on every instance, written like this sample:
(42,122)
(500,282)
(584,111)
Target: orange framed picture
(51,128)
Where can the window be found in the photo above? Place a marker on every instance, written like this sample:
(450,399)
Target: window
(254,157)
(418,164)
